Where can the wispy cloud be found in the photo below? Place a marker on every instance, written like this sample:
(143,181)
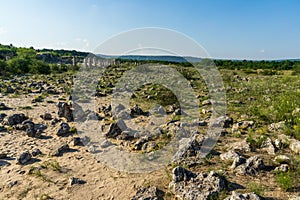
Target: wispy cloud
(3,30)
(262,51)
(84,43)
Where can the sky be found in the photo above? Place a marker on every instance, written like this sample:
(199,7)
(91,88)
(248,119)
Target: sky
(231,29)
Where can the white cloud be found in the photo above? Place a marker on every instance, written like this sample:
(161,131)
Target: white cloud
(83,43)
(3,30)
(262,51)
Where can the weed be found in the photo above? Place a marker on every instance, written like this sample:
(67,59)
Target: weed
(257,188)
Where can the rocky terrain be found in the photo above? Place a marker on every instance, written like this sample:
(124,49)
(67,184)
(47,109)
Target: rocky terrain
(43,154)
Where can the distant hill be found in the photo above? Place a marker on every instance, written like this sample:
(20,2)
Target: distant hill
(177,59)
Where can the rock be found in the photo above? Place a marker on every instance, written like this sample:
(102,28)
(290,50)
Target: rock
(36,152)
(54,121)
(119,108)
(64,110)
(105,144)
(233,156)
(60,150)
(125,135)
(15,119)
(76,141)
(11,184)
(148,193)
(243,125)
(189,149)
(181,174)
(237,162)
(242,146)
(223,121)
(24,158)
(252,166)
(295,146)
(268,146)
(149,146)
(282,141)
(282,159)
(3,106)
(296,112)
(46,116)
(276,126)
(138,145)
(122,115)
(2,116)
(3,129)
(73,181)
(3,155)
(230,155)
(247,196)
(63,130)
(282,168)
(116,129)
(136,110)
(28,125)
(206,102)
(201,186)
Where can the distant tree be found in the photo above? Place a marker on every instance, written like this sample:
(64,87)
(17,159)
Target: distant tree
(18,65)
(3,66)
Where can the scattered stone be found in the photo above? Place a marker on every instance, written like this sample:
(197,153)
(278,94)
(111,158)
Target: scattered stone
(74,181)
(136,110)
(149,146)
(15,119)
(149,193)
(46,116)
(252,166)
(11,184)
(268,146)
(76,141)
(282,159)
(189,151)
(105,144)
(247,196)
(54,121)
(242,146)
(64,110)
(60,150)
(282,168)
(230,155)
(181,174)
(125,135)
(243,125)
(2,116)
(138,145)
(3,155)
(295,146)
(24,158)
(63,130)
(3,106)
(276,126)
(201,186)
(116,129)
(36,152)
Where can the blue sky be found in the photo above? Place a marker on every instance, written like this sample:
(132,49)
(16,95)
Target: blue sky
(240,29)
